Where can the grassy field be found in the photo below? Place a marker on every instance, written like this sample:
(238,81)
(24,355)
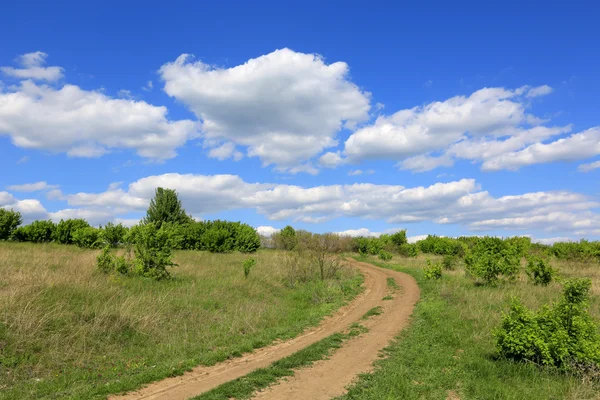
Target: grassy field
(67,330)
(448,351)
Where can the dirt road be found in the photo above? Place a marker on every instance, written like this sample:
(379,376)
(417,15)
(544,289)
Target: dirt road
(325,379)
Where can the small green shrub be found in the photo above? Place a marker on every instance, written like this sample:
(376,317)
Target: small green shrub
(87,238)
(9,221)
(433,270)
(105,261)
(449,262)
(37,232)
(409,250)
(492,258)
(63,233)
(385,255)
(539,271)
(561,335)
(112,234)
(248,264)
(399,238)
(152,252)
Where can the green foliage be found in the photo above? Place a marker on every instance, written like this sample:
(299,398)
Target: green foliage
(113,235)
(561,335)
(576,251)
(166,207)
(37,232)
(442,246)
(385,255)
(105,261)
(88,237)
(449,262)
(399,238)
(286,239)
(152,252)
(248,264)
(9,221)
(520,244)
(247,239)
(409,250)
(491,258)
(433,270)
(63,233)
(539,271)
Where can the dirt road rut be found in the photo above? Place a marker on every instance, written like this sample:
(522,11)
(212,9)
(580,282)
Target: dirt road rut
(327,378)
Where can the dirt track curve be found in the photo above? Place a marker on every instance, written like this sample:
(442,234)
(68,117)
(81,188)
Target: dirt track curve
(325,379)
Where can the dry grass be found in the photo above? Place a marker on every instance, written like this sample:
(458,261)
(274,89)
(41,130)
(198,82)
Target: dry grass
(67,330)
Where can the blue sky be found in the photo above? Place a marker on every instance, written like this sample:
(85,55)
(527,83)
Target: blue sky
(456,119)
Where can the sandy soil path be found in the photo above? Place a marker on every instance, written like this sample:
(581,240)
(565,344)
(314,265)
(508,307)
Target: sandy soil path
(326,378)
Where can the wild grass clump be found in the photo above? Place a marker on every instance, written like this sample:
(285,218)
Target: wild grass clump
(557,335)
(248,264)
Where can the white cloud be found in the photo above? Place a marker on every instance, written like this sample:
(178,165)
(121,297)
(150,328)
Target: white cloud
(32,187)
(33,68)
(331,160)
(415,239)
(578,146)
(552,240)
(85,123)
(539,91)
(589,167)
(148,86)
(424,163)
(364,232)
(225,151)
(267,231)
(30,209)
(285,107)
(23,160)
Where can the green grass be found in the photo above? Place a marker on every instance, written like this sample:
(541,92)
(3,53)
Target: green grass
(68,331)
(372,312)
(392,284)
(244,387)
(448,351)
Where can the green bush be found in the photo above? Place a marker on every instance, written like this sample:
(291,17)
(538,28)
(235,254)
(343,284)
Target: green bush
(409,250)
(433,270)
(248,264)
(247,239)
(449,262)
(107,262)
(113,235)
(285,239)
(399,238)
(576,251)
(492,258)
(9,221)
(442,246)
(37,232)
(561,335)
(88,238)
(385,255)
(539,271)
(63,233)
(152,252)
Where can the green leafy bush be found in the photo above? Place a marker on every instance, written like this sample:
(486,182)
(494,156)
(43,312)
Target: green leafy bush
(248,264)
(449,262)
(492,258)
(285,239)
(63,233)
(560,335)
(152,252)
(9,221)
(113,235)
(108,263)
(88,238)
(576,251)
(442,246)
(433,270)
(247,239)
(409,250)
(37,232)
(385,255)
(539,271)
(399,238)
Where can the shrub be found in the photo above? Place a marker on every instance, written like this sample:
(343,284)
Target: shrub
(385,255)
(560,335)
(442,246)
(248,264)
(63,233)
(9,221)
(399,238)
(433,270)
(409,250)
(449,262)
(285,239)
(247,239)
(113,235)
(105,261)
(152,252)
(577,251)
(491,258)
(37,232)
(539,271)
(87,237)
(166,207)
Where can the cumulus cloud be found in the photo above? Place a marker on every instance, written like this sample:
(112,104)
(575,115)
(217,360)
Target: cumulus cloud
(85,123)
(32,67)
(266,231)
(284,107)
(225,151)
(589,167)
(30,209)
(32,187)
(331,160)
(539,91)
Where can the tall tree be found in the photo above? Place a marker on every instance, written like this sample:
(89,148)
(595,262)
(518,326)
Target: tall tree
(166,207)
(9,221)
